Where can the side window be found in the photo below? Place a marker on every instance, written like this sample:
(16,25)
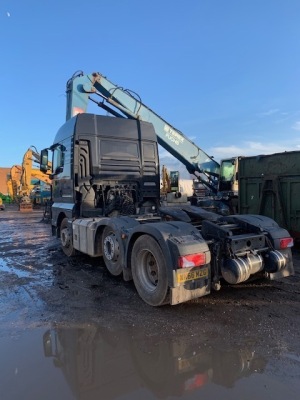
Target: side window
(227,170)
(58,159)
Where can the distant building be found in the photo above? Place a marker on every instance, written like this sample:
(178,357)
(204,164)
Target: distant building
(186,186)
(3,179)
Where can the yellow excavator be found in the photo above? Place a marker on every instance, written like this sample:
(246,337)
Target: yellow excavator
(30,176)
(173,190)
(13,181)
(2,207)
(165,181)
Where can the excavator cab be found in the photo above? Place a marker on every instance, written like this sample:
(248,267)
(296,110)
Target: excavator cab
(228,186)
(228,181)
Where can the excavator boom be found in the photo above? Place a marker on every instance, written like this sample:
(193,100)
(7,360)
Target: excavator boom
(80,89)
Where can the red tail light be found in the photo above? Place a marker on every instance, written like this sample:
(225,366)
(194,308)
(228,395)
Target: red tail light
(197,381)
(192,260)
(286,242)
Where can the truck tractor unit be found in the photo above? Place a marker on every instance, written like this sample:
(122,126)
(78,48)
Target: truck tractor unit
(106,203)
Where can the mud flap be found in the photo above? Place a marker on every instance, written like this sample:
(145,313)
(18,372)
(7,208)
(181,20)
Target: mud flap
(182,293)
(190,289)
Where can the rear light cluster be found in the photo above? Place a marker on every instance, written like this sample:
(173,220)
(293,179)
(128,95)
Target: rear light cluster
(286,242)
(192,260)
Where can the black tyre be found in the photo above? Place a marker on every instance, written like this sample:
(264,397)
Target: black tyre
(66,239)
(111,251)
(149,271)
(155,365)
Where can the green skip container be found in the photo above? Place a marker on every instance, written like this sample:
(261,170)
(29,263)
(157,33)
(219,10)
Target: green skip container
(270,185)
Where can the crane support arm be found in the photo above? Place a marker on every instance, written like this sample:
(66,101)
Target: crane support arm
(80,89)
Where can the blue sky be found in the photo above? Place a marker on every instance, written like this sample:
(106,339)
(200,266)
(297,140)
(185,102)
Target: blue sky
(224,72)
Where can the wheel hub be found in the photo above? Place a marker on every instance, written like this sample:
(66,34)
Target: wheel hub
(151,269)
(65,237)
(111,247)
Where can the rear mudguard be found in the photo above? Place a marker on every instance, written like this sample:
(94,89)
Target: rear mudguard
(258,223)
(175,238)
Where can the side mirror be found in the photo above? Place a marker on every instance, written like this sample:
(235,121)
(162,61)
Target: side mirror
(44,161)
(58,170)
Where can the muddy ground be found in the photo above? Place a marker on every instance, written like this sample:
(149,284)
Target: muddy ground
(41,289)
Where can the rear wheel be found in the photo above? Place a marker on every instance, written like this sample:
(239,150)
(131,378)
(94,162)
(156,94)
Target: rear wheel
(66,238)
(111,251)
(149,271)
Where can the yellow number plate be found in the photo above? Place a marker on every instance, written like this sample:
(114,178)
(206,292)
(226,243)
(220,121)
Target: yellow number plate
(184,276)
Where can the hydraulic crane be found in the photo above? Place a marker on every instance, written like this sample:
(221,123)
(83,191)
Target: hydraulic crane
(80,89)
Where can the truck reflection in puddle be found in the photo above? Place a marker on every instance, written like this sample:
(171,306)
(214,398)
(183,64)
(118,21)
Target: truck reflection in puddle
(96,362)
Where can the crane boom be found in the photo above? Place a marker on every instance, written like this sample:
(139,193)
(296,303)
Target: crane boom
(79,90)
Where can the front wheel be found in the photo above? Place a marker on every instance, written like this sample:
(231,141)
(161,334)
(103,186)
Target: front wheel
(149,271)
(66,238)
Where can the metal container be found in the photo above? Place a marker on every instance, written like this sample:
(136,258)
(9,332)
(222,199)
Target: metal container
(270,185)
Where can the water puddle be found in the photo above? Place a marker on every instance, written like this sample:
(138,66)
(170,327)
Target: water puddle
(14,268)
(92,362)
